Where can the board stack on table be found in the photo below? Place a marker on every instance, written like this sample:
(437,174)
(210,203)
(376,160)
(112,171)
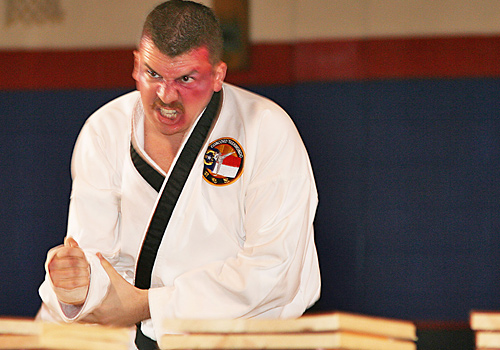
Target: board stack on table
(336,330)
(28,334)
(486,326)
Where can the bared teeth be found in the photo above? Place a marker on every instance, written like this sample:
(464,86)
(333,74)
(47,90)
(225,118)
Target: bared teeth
(168,113)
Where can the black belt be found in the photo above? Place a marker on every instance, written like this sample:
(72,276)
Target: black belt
(144,342)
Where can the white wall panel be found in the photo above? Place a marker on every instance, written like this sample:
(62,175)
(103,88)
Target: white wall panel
(117,23)
(272,20)
(87,24)
(427,18)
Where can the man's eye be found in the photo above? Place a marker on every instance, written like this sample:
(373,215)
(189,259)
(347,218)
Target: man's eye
(153,74)
(186,79)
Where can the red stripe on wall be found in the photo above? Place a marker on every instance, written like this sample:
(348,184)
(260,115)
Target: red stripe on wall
(332,60)
(398,58)
(85,69)
(269,64)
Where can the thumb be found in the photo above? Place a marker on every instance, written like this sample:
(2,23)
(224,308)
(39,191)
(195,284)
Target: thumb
(70,242)
(105,264)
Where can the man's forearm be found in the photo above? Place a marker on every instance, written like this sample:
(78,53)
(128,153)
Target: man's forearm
(124,304)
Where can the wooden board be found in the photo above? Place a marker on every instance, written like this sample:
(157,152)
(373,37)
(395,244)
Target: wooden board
(319,340)
(336,321)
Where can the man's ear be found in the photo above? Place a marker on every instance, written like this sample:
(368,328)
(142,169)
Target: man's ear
(220,75)
(137,61)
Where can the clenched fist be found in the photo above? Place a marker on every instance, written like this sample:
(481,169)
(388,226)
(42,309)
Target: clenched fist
(70,272)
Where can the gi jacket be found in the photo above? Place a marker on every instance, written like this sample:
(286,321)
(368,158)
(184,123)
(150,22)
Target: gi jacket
(240,241)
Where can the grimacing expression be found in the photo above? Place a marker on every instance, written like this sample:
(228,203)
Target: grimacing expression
(175,90)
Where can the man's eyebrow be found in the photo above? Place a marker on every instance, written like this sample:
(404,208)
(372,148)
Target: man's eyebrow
(192,72)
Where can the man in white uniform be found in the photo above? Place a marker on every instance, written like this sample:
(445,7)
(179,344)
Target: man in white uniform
(191,198)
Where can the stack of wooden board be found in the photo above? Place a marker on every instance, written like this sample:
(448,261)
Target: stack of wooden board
(486,326)
(337,330)
(29,334)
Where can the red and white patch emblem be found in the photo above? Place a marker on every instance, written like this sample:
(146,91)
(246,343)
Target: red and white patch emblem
(223,162)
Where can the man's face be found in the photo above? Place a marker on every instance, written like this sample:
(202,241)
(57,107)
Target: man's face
(174,90)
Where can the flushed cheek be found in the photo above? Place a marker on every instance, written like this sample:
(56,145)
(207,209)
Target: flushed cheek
(194,95)
(201,92)
(195,102)
(145,88)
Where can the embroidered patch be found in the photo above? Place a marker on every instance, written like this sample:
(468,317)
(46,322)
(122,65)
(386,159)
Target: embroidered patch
(223,162)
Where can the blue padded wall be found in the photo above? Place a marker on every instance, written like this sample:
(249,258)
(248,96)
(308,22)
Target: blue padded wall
(38,131)
(406,170)
(407,173)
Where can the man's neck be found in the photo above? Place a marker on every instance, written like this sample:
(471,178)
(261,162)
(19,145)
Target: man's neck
(161,148)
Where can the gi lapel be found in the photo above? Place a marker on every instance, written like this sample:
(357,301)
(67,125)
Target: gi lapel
(153,177)
(171,191)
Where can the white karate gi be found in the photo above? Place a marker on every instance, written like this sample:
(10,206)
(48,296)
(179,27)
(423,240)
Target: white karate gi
(240,250)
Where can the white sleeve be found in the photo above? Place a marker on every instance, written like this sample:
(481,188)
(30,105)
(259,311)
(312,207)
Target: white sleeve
(93,219)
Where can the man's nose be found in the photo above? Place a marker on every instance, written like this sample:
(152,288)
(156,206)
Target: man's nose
(167,92)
